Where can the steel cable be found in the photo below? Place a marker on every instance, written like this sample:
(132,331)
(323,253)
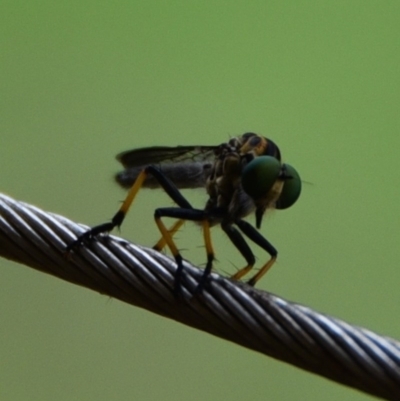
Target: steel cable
(231,310)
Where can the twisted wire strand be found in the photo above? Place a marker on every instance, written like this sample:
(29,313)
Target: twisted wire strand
(231,310)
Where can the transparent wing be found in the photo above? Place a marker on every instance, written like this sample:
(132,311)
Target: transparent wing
(185,166)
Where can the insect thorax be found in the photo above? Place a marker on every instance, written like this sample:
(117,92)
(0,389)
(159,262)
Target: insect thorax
(224,182)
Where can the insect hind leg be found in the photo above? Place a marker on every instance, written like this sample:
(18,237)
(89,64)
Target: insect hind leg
(119,217)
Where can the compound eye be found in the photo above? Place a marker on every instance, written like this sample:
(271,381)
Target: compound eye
(291,188)
(259,175)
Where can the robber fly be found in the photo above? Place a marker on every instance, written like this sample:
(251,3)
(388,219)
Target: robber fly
(242,176)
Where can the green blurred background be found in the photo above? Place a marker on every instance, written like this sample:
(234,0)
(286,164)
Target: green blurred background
(82,81)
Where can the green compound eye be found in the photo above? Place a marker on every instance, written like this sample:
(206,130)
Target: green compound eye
(291,188)
(259,175)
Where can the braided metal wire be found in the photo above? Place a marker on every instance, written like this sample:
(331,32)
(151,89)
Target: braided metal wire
(234,311)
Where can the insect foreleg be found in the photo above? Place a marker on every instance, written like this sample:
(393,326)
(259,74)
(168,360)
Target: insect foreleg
(252,233)
(241,245)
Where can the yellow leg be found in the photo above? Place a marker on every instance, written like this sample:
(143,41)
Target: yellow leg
(262,271)
(242,272)
(132,192)
(174,228)
(167,234)
(167,237)
(256,277)
(207,239)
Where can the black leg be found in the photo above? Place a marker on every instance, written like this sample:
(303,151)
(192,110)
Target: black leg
(169,187)
(252,233)
(242,246)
